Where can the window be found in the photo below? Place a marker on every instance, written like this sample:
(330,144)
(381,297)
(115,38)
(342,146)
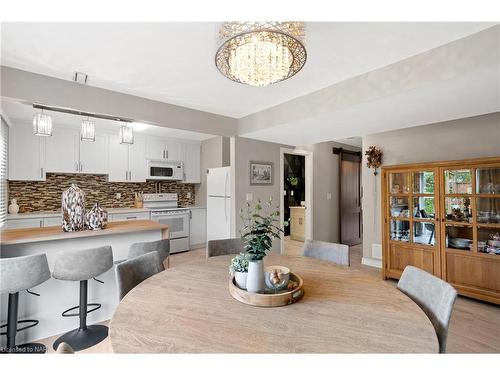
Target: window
(4,142)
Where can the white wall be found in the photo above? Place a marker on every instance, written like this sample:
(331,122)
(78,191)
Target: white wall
(244,150)
(467,138)
(214,153)
(326,181)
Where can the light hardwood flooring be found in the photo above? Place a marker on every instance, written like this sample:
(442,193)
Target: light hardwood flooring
(474,327)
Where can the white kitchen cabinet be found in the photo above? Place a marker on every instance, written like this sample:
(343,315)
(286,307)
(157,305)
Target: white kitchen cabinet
(66,153)
(137,160)
(26,154)
(191,156)
(52,221)
(61,150)
(198,227)
(127,163)
(117,160)
(25,223)
(163,148)
(94,155)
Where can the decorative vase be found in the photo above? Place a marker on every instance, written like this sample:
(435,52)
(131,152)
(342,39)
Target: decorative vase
(13,206)
(73,209)
(241,279)
(96,217)
(255,278)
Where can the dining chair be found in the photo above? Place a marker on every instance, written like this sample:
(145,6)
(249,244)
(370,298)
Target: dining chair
(161,246)
(225,247)
(433,295)
(333,252)
(132,272)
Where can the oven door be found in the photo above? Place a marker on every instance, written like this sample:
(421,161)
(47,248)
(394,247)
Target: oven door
(178,223)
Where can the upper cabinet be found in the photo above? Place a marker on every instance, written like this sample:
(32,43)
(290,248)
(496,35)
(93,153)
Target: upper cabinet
(163,148)
(66,153)
(26,154)
(191,154)
(30,156)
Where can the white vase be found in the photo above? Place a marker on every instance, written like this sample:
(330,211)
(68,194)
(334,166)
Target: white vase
(13,206)
(255,278)
(241,279)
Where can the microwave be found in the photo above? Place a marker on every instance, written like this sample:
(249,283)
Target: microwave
(164,170)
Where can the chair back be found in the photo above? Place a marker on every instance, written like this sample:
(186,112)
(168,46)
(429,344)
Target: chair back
(225,247)
(78,265)
(141,248)
(333,252)
(132,272)
(21,273)
(433,295)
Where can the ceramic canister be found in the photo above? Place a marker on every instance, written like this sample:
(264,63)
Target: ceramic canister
(73,209)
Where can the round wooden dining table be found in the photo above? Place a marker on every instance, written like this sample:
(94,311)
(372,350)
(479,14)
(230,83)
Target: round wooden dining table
(188,309)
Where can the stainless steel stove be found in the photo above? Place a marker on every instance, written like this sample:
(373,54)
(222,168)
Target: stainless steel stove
(165,210)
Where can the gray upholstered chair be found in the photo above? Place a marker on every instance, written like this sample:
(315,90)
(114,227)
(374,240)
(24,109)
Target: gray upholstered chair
(132,272)
(434,296)
(141,248)
(225,247)
(82,265)
(17,274)
(333,252)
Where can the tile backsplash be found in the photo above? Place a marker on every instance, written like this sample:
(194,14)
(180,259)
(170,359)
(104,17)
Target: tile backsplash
(46,195)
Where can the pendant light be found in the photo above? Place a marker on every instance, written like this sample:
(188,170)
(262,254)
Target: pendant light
(126,135)
(42,125)
(88,130)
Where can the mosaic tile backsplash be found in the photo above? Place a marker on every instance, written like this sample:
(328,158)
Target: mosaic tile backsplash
(46,195)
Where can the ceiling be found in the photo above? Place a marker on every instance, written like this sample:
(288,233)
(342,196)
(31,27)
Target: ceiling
(22,114)
(174,62)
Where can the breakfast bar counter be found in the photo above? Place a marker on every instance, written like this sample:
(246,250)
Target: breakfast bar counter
(57,295)
(52,233)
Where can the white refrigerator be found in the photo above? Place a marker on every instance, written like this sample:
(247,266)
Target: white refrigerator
(218,203)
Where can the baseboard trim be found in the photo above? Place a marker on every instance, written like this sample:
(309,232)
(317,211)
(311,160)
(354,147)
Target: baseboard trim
(371,262)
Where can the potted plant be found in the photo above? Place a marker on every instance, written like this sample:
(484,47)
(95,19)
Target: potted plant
(258,231)
(239,267)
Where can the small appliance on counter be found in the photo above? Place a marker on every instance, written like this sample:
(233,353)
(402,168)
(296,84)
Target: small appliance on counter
(165,210)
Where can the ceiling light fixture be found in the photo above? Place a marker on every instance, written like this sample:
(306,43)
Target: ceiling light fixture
(261,53)
(126,135)
(42,125)
(87,132)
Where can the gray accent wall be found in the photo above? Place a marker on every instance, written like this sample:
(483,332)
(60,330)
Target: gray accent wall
(466,138)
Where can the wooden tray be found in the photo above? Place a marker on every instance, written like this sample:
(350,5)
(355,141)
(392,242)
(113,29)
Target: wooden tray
(269,298)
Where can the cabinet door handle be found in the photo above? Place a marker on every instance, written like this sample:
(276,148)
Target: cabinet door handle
(76,166)
(81,166)
(166,152)
(130,175)
(41,172)
(131,217)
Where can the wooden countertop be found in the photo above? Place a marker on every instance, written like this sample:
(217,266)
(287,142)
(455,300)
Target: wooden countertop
(28,235)
(188,309)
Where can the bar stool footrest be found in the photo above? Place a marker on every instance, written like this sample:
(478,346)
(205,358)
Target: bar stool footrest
(66,315)
(33,322)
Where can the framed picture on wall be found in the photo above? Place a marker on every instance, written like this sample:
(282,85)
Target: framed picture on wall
(261,173)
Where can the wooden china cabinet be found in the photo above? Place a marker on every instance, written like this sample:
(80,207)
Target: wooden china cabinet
(444,217)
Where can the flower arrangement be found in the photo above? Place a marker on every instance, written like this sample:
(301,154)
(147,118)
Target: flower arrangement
(374,158)
(259,229)
(239,263)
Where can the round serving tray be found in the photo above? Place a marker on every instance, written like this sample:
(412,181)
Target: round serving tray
(269,298)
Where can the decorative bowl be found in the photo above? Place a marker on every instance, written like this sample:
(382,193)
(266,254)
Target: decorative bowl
(277,277)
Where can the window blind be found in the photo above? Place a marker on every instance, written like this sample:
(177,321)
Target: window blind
(4,144)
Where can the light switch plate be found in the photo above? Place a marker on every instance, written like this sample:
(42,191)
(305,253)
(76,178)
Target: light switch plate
(118,195)
(249,197)
(328,196)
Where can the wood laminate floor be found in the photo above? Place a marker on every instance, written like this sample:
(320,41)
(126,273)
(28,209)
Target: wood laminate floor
(474,327)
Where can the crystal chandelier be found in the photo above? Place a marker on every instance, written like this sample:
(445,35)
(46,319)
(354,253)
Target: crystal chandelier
(42,125)
(88,130)
(126,135)
(260,53)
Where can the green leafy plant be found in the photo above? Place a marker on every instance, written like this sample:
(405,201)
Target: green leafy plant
(259,228)
(239,263)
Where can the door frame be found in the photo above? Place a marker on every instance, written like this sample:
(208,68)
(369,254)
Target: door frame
(308,193)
